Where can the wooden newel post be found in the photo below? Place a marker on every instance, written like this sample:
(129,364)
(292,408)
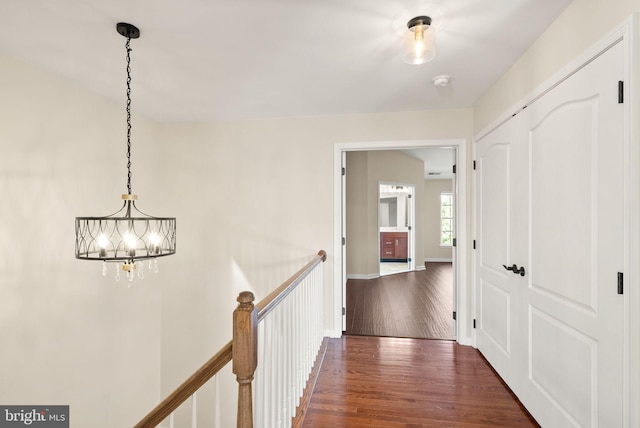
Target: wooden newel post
(245,355)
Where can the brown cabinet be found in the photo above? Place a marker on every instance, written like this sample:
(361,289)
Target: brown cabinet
(393,246)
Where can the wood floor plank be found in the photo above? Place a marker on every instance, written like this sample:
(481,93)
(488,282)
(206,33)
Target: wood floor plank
(411,304)
(402,382)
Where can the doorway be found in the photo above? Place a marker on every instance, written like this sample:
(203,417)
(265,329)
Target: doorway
(396,228)
(461,325)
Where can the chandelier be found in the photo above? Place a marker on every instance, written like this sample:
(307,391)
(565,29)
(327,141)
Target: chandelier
(128,237)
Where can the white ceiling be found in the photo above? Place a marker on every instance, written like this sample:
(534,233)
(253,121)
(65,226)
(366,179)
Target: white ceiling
(438,161)
(210,59)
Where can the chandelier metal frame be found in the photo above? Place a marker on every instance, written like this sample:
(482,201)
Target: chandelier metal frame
(128,235)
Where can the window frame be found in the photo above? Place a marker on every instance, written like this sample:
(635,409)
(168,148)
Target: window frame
(446,233)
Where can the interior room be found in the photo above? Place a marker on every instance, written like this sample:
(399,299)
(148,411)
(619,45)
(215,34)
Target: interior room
(239,115)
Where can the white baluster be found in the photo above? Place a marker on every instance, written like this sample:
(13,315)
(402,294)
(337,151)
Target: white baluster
(194,410)
(260,396)
(287,325)
(279,366)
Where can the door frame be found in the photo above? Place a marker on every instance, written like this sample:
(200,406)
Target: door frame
(462,305)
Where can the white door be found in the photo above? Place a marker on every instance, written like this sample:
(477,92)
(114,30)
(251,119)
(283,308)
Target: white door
(498,289)
(411,225)
(556,334)
(574,136)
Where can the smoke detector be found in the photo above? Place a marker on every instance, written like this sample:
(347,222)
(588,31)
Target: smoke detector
(441,80)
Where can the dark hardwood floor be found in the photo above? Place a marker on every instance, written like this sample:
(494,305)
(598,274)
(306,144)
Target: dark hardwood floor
(412,304)
(400,382)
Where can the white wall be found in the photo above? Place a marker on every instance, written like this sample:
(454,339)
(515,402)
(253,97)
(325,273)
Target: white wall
(358,217)
(68,335)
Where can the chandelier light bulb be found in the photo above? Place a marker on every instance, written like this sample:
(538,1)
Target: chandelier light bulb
(154,242)
(130,243)
(103,243)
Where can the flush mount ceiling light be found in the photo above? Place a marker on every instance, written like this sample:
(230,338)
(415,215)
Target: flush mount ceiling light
(127,237)
(420,41)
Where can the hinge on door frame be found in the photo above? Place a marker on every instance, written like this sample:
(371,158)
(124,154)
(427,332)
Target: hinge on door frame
(455,241)
(455,316)
(409,259)
(409,227)
(620,283)
(620,92)
(474,323)
(474,244)
(344,241)
(474,165)
(344,171)
(454,169)
(409,196)
(344,311)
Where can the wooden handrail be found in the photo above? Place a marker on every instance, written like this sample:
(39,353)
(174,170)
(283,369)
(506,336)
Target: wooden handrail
(267,304)
(225,355)
(188,387)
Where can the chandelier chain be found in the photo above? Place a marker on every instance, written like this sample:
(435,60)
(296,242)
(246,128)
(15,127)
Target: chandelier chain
(128,48)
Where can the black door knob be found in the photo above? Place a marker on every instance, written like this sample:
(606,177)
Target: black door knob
(515,269)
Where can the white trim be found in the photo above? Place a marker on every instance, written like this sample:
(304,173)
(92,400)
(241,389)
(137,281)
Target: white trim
(462,306)
(631,358)
(421,267)
(627,32)
(438,260)
(363,276)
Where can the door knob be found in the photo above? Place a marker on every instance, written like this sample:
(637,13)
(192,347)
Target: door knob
(509,267)
(515,269)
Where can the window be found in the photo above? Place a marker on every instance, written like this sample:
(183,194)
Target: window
(446,219)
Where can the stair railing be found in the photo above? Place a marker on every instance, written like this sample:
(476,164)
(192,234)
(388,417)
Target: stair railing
(276,341)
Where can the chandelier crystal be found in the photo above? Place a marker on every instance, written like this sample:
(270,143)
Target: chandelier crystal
(128,237)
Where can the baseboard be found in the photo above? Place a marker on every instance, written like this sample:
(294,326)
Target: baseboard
(466,341)
(359,276)
(421,267)
(438,260)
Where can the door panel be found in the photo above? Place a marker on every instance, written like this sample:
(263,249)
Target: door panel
(496,308)
(570,382)
(563,146)
(494,187)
